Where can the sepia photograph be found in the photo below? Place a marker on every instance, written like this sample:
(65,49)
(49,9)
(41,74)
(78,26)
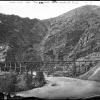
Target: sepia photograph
(49,50)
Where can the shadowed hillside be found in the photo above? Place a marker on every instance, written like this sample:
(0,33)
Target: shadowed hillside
(22,34)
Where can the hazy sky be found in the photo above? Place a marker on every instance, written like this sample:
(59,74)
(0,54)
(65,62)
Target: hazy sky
(46,10)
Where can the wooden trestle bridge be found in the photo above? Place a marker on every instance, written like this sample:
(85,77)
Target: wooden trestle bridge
(21,67)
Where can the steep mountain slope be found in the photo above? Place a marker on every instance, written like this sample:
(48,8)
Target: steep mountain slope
(73,35)
(76,30)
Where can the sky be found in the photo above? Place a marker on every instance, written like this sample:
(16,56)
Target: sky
(34,9)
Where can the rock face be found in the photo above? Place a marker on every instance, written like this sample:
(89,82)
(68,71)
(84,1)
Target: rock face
(3,52)
(74,35)
(76,31)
